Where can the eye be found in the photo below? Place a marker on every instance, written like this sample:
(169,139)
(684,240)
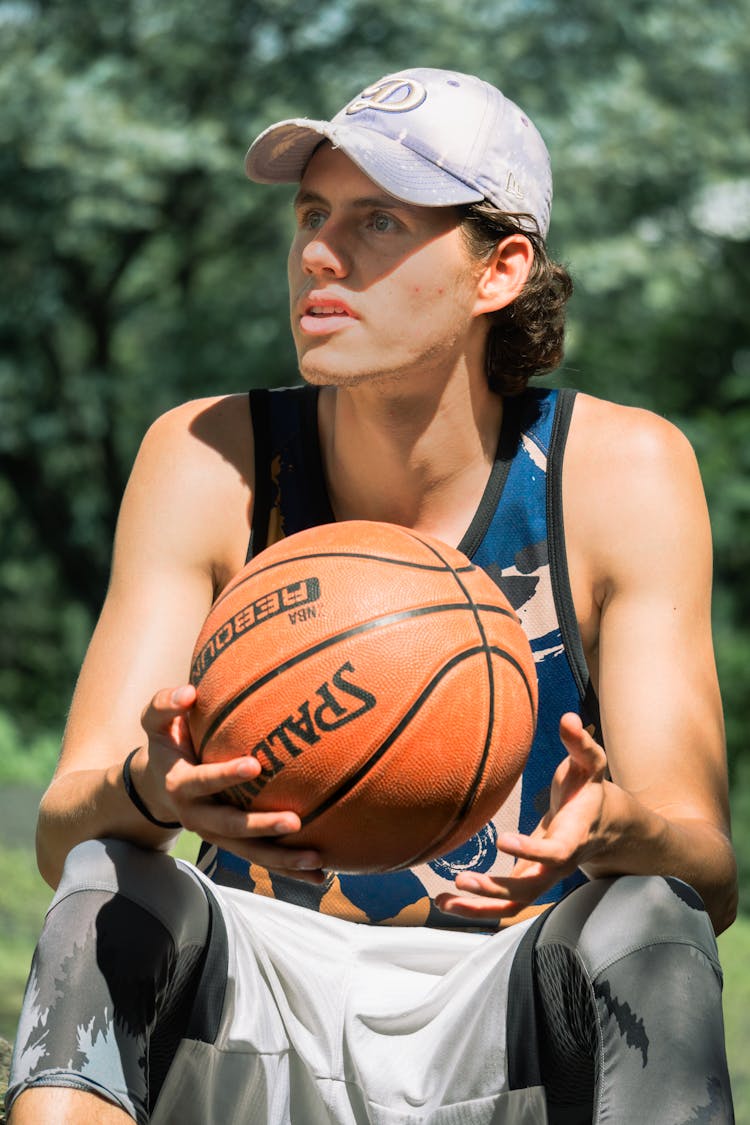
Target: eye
(382,223)
(311,219)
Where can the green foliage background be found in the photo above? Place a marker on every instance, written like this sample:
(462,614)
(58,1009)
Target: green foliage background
(139,268)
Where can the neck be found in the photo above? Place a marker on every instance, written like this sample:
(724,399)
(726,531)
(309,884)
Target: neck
(405,457)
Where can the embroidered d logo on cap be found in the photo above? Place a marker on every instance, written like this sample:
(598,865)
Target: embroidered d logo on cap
(435,138)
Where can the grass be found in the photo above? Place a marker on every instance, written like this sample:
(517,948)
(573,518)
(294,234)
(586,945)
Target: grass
(24,898)
(23,901)
(734,949)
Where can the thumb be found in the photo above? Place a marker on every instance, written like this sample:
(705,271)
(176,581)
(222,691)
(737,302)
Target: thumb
(586,753)
(166,707)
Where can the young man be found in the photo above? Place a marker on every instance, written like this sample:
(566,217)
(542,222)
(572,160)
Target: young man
(263,989)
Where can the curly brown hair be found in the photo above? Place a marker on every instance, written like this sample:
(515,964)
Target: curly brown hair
(526,337)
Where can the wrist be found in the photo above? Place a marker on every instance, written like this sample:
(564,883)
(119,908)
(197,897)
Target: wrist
(629,836)
(133,794)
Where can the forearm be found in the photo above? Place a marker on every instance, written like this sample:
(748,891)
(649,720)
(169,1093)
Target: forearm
(84,805)
(638,840)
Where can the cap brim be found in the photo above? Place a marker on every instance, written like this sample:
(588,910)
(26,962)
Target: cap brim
(281,153)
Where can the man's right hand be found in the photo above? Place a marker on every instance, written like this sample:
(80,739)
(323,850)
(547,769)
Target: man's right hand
(175,786)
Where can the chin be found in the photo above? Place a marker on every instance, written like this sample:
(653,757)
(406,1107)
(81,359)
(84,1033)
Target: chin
(320,376)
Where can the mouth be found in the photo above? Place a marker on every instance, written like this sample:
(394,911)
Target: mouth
(321,314)
(327,310)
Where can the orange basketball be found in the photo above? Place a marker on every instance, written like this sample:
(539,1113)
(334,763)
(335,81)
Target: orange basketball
(383,682)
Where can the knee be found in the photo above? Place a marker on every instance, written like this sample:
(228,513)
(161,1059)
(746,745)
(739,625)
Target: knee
(609,918)
(153,880)
(111,865)
(666,910)
(669,903)
(94,864)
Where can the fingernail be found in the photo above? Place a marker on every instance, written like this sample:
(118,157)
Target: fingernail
(469,883)
(283,826)
(247,767)
(307,863)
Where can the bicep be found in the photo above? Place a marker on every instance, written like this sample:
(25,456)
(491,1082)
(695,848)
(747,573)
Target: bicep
(661,706)
(181,532)
(661,709)
(142,643)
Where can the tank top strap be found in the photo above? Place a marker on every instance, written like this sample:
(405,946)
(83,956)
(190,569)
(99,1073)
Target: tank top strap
(290,493)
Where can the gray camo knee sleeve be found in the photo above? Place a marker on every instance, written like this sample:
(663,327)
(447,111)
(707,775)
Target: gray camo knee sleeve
(630,1006)
(124,933)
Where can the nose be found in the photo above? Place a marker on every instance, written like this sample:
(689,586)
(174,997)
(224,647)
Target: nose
(322,255)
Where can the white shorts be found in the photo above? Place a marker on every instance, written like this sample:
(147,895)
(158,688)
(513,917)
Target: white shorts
(327,1022)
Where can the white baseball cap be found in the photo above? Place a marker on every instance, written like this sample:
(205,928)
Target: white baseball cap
(435,138)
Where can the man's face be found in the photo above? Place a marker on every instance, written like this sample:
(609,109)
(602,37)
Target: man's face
(378,288)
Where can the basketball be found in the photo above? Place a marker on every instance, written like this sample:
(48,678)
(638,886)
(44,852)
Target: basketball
(382,681)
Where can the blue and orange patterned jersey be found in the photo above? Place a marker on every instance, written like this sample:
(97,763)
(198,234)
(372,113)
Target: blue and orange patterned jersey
(516,536)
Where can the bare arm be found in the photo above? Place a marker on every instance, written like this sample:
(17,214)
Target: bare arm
(182,533)
(639,548)
(668,809)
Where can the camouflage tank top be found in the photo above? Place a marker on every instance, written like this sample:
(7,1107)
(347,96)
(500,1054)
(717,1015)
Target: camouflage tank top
(516,536)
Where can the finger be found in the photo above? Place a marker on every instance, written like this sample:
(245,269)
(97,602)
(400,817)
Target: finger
(317,878)
(586,753)
(186,781)
(490,896)
(554,850)
(478,909)
(166,706)
(306,874)
(210,818)
(267,837)
(536,879)
(296,863)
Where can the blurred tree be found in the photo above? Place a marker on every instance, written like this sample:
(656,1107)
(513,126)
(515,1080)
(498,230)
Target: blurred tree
(141,269)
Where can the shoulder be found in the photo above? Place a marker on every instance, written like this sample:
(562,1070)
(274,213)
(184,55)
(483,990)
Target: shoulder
(218,425)
(614,437)
(632,490)
(192,482)
(618,453)
(197,447)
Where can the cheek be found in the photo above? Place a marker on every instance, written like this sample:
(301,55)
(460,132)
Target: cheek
(436,301)
(294,261)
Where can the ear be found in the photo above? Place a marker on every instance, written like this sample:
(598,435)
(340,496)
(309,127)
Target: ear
(504,275)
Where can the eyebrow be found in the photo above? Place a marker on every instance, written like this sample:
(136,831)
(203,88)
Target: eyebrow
(386,202)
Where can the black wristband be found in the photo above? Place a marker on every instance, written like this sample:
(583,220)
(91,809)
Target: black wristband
(131,792)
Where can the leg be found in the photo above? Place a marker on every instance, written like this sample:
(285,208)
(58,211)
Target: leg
(631,1018)
(65,1107)
(110,987)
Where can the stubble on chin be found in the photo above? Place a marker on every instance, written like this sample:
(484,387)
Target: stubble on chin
(324,375)
(368,371)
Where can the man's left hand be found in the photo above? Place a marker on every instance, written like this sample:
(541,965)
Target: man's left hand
(569,833)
